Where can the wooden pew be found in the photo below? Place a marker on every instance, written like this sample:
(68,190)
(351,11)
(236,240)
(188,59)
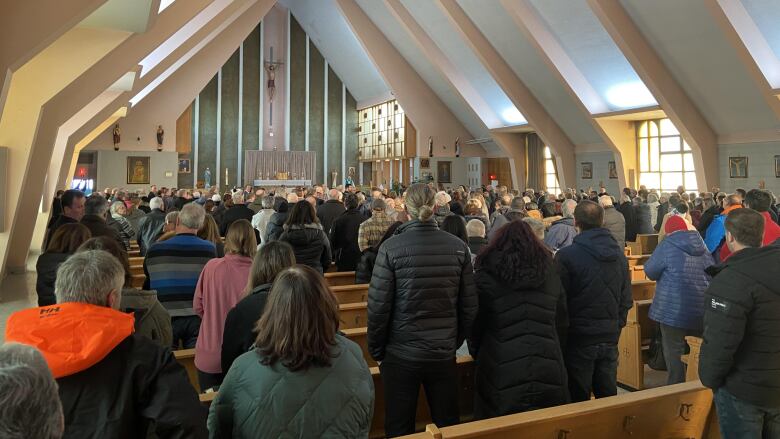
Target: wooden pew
(134,253)
(692,359)
(465,398)
(635,260)
(186,357)
(634,248)
(679,411)
(353,315)
(637,272)
(633,343)
(339,278)
(647,243)
(138,280)
(360,336)
(137,269)
(137,260)
(627,250)
(351,293)
(642,289)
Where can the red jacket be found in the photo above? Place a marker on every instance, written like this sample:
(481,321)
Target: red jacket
(771,233)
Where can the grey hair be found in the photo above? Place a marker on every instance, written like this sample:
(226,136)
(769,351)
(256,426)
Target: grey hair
(192,215)
(238,197)
(335,194)
(95,205)
(378,204)
(171,217)
(654,197)
(268,202)
(156,203)
(419,201)
(476,228)
(88,276)
(536,226)
(115,205)
(567,208)
(441,198)
(605,201)
(29,403)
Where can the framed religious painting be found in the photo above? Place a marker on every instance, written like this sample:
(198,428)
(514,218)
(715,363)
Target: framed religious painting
(777,166)
(587,170)
(612,170)
(443,174)
(138,170)
(425,163)
(184,166)
(738,167)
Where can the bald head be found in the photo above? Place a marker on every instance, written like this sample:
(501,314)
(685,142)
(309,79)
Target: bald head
(335,194)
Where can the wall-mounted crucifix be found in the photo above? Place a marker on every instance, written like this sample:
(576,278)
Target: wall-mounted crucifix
(271,67)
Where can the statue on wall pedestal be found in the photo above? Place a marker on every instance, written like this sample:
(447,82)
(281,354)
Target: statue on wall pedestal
(160,137)
(207,178)
(457,147)
(350,180)
(117,137)
(430,146)
(335,176)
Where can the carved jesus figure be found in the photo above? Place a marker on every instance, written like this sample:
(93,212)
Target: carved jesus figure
(271,70)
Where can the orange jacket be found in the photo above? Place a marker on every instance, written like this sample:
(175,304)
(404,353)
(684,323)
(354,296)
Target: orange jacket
(71,336)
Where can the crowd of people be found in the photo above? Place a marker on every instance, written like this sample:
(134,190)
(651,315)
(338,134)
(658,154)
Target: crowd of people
(534,286)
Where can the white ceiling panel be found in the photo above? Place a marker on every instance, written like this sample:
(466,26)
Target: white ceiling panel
(704,62)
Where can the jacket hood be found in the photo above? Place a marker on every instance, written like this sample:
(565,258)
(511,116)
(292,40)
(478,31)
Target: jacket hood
(262,288)
(688,241)
(754,263)
(600,244)
(315,226)
(135,298)
(566,221)
(517,276)
(278,218)
(71,336)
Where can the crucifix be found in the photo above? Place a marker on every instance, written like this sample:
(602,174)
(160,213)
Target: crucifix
(271,67)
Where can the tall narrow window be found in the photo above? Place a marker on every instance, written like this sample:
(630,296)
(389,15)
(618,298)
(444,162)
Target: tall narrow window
(550,176)
(665,159)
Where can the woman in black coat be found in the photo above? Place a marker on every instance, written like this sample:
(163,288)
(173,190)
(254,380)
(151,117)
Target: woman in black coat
(626,207)
(344,235)
(366,265)
(63,243)
(303,232)
(240,325)
(516,338)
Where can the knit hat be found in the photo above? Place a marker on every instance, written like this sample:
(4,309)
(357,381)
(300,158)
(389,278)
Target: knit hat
(675,223)
(216,198)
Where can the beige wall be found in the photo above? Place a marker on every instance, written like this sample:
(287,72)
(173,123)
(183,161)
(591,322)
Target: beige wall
(112,169)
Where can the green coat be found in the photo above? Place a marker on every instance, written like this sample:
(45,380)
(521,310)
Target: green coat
(258,401)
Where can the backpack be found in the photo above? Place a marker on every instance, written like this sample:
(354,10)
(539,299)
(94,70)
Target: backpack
(655,355)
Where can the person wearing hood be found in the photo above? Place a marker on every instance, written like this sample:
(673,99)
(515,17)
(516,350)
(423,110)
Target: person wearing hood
(594,273)
(739,352)
(303,232)
(441,208)
(562,232)
(629,215)
(112,383)
(515,341)
(678,266)
(275,225)
(644,215)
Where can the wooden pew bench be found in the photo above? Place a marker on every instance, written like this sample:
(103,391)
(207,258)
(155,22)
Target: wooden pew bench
(339,278)
(137,269)
(186,357)
(647,243)
(678,411)
(353,315)
(137,280)
(692,359)
(633,345)
(635,260)
(134,253)
(136,260)
(350,293)
(637,272)
(465,398)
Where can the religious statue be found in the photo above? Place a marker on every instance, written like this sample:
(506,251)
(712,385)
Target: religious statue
(117,135)
(160,135)
(457,147)
(207,178)
(430,146)
(271,69)
(350,180)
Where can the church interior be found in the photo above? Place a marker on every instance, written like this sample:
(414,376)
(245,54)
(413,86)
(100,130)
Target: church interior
(554,95)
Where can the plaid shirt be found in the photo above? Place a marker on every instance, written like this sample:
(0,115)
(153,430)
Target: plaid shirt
(373,229)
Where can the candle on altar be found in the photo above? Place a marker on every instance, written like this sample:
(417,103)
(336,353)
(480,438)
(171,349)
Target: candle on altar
(226,178)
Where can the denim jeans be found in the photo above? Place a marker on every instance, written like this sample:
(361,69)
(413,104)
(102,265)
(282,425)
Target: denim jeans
(739,419)
(591,368)
(185,329)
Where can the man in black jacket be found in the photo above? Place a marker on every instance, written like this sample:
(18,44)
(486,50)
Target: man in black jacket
(235,213)
(95,210)
(344,235)
(422,303)
(330,210)
(740,354)
(112,383)
(594,273)
(72,210)
(150,227)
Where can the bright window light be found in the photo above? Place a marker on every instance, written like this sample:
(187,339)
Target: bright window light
(630,95)
(164,4)
(512,116)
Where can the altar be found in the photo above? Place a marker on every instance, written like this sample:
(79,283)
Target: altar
(279,168)
(277,183)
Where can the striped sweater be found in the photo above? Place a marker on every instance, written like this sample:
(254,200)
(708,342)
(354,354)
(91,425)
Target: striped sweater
(172,268)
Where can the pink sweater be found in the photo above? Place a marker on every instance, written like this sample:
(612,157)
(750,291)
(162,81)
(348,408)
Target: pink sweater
(220,287)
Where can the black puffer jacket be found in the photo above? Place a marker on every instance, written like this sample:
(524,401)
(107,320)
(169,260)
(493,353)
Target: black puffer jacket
(275,226)
(344,239)
(310,245)
(515,339)
(421,301)
(366,266)
(239,334)
(740,351)
(46,267)
(594,273)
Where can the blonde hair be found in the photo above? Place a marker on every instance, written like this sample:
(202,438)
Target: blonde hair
(419,201)
(240,239)
(209,230)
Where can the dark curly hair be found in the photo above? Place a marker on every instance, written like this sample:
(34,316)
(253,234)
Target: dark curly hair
(518,254)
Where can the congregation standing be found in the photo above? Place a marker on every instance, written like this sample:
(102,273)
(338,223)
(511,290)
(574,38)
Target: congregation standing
(534,286)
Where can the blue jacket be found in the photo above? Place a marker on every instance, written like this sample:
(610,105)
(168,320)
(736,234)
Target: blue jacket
(677,265)
(561,234)
(594,273)
(715,232)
